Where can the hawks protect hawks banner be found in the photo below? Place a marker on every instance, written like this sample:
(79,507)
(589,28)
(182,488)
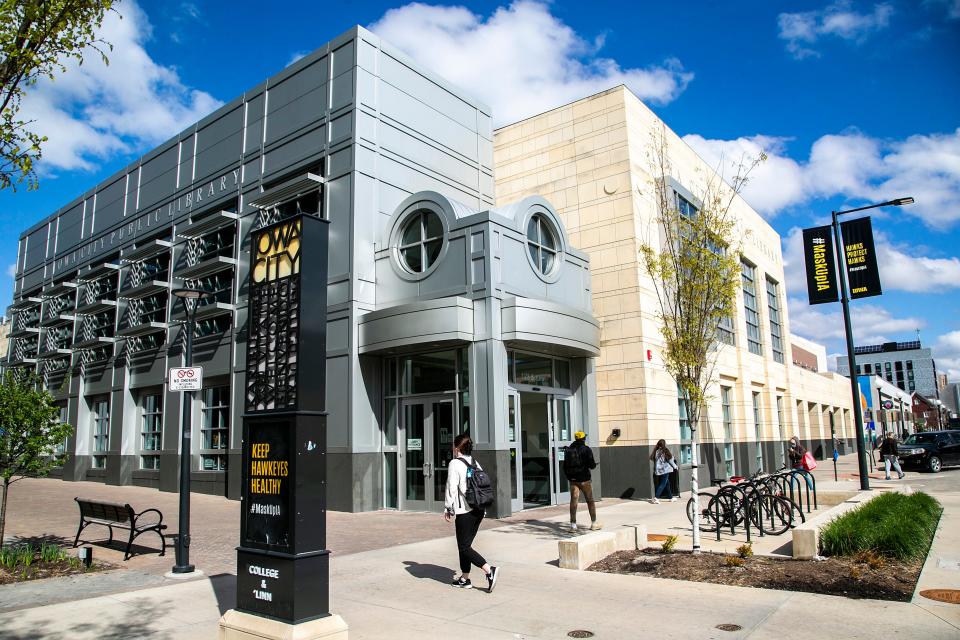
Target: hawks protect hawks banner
(818,254)
(863,275)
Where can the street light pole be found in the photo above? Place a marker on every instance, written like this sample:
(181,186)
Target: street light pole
(182,550)
(845,302)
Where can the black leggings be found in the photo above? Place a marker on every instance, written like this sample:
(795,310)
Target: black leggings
(467,525)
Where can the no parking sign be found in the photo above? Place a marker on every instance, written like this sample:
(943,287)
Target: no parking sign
(186,378)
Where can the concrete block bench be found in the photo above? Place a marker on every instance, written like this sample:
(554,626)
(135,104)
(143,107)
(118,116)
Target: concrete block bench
(806,536)
(580,552)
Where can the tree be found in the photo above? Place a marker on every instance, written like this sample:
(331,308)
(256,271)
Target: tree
(37,39)
(696,272)
(30,430)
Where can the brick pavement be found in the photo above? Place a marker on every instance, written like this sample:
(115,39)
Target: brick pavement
(45,508)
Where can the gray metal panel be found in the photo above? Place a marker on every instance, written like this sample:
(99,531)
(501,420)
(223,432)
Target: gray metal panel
(451,272)
(411,179)
(70,228)
(338,204)
(338,403)
(550,323)
(296,101)
(341,128)
(110,204)
(338,335)
(36,248)
(219,143)
(158,178)
(186,162)
(420,323)
(301,147)
(397,73)
(408,146)
(343,59)
(426,119)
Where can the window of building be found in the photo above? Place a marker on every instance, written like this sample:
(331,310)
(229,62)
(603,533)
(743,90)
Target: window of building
(421,241)
(100,419)
(912,386)
(898,365)
(758,428)
(909,365)
(776,329)
(780,429)
(866,369)
(886,366)
(542,243)
(858,369)
(215,429)
(686,445)
(726,405)
(748,280)
(151,430)
(685,207)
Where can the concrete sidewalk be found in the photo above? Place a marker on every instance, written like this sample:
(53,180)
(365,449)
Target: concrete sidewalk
(403,592)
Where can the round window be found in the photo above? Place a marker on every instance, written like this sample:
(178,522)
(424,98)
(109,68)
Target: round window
(541,243)
(421,241)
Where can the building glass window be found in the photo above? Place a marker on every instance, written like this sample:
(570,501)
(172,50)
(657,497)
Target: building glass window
(685,207)
(60,449)
(728,459)
(909,365)
(748,280)
(541,243)
(776,329)
(726,405)
(866,369)
(758,428)
(686,446)
(215,429)
(858,369)
(151,430)
(421,241)
(780,429)
(100,418)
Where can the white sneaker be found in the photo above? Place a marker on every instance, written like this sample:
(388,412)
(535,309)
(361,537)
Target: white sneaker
(655,501)
(573,526)
(674,498)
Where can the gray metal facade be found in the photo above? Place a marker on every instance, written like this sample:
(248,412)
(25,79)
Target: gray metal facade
(93,311)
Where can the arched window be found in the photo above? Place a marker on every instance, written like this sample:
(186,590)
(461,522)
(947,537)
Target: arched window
(542,243)
(421,240)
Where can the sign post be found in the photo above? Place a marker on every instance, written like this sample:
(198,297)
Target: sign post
(282,562)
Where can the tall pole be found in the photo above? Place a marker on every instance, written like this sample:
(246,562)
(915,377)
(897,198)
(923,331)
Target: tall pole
(854,384)
(183,537)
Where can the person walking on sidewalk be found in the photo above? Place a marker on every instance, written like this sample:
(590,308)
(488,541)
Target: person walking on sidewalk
(467,518)
(888,451)
(664,465)
(577,463)
(796,453)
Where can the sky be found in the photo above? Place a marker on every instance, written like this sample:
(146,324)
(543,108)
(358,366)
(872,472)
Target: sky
(853,103)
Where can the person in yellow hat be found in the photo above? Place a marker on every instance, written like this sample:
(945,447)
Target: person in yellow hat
(577,463)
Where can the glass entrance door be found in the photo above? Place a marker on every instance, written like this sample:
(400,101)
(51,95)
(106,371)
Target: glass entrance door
(562,434)
(428,431)
(513,440)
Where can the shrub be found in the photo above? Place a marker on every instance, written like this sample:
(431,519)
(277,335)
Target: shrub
(745,550)
(733,561)
(892,525)
(871,558)
(856,573)
(669,543)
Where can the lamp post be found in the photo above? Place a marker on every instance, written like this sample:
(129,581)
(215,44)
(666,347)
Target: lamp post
(182,551)
(844,299)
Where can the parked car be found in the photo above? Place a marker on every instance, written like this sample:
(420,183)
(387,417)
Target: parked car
(930,450)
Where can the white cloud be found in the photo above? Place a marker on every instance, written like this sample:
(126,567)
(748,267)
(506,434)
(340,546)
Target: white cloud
(93,111)
(802,30)
(521,59)
(952,7)
(871,324)
(852,165)
(12,270)
(296,55)
(946,353)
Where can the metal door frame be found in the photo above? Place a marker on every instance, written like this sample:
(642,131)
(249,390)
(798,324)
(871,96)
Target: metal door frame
(429,503)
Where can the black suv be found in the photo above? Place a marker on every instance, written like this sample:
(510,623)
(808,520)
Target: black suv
(930,450)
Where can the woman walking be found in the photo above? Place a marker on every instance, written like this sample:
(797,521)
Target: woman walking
(664,465)
(468,519)
(796,453)
(888,451)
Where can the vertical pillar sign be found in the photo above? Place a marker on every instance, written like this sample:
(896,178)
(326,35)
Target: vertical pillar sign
(282,561)
(821,272)
(863,275)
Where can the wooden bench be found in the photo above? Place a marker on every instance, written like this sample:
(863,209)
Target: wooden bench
(121,516)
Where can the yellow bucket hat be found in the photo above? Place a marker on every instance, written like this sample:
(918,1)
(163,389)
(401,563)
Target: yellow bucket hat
(579,435)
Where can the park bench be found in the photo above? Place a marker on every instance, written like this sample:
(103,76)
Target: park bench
(121,516)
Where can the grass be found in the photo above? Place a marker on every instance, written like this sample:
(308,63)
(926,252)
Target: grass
(23,556)
(892,525)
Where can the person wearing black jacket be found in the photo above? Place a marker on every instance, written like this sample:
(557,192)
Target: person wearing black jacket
(888,451)
(577,463)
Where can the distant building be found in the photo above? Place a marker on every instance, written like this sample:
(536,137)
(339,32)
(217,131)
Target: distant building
(885,407)
(808,354)
(905,364)
(4,336)
(950,395)
(929,413)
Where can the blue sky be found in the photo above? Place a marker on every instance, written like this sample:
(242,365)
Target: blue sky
(854,102)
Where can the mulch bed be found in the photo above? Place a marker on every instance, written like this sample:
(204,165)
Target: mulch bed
(39,570)
(839,576)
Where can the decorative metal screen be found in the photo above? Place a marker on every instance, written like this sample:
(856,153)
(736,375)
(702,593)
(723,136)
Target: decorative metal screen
(274,321)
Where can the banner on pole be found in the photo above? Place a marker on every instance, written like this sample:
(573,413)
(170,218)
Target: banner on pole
(821,272)
(863,275)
